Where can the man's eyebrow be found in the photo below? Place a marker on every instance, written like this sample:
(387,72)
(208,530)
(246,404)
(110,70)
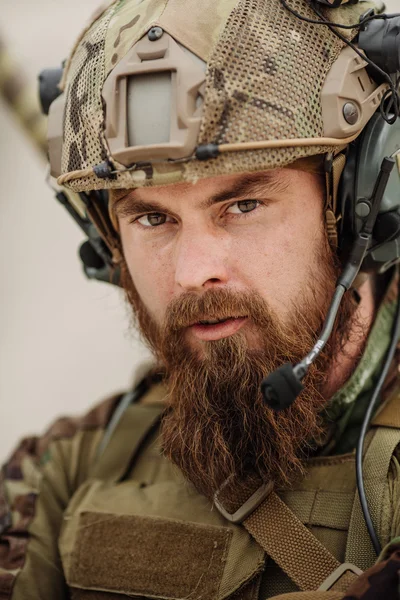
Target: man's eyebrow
(129,205)
(260,184)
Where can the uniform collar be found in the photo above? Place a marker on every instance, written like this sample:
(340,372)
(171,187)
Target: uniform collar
(348,404)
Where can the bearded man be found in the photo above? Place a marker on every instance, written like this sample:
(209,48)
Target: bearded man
(251,217)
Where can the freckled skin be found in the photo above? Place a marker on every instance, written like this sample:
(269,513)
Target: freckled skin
(270,250)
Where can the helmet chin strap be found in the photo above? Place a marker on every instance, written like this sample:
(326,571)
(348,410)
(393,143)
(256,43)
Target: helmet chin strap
(334,167)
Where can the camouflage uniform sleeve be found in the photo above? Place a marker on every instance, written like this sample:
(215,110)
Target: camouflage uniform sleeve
(36,485)
(381,580)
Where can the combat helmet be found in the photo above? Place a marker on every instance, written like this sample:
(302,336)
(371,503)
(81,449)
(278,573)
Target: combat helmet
(158,92)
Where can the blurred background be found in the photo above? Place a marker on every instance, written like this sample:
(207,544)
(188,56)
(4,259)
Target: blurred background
(64,341)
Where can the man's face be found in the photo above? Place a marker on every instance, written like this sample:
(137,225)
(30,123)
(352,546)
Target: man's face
(229,279)
(244,233)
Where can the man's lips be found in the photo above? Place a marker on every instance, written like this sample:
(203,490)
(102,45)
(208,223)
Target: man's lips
(217,331)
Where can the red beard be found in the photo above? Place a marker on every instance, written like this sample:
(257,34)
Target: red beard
(217,423)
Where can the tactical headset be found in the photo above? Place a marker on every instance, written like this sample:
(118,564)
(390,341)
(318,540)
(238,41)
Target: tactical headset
(368,200)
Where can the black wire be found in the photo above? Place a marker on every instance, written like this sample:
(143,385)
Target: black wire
(323,21)
(362,55)
(394,99)
(385,107)
(360,445)
(393,103)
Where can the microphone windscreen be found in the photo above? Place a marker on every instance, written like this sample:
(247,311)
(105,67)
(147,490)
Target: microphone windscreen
(281,388)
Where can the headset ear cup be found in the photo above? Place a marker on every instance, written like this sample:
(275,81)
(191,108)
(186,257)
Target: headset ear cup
(378,141)
(89,257)
(387,227)
(95,267)
(97,258)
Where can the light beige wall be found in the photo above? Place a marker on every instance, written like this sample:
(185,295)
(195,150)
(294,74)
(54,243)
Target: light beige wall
(64,341)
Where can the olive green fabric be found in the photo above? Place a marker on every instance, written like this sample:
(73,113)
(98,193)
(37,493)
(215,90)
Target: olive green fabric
(377,463)
(154,489)
(192,556)
(283,536)
(47,486)
(330,482)
(50,482)
(36,485)
(159,493)
(347,407)
(113,461)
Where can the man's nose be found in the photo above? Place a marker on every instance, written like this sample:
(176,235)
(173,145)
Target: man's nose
(201,259)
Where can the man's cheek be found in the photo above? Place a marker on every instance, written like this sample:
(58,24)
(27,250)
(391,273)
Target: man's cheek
(154,300)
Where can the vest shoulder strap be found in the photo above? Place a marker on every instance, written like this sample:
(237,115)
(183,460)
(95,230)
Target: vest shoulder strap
(127,431)
(388,415)
(383,440)
(132,423)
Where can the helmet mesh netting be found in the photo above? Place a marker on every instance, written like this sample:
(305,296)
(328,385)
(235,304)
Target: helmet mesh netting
(84,144)
(263,82)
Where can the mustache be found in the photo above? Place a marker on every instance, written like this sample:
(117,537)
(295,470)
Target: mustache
(221,304)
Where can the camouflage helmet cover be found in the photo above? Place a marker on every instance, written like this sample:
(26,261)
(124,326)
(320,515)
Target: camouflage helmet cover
(274,90)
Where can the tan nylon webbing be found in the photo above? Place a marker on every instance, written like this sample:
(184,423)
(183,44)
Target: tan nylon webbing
(332,188)
(127,437)
(291,545)
(388,414)
(338,166)
(359,550)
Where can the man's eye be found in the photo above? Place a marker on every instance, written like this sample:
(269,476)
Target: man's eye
(152,220)
(243,206)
